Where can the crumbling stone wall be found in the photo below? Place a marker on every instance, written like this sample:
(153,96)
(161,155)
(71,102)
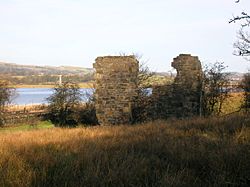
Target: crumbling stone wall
(183,97)
(187,86)
(115,88)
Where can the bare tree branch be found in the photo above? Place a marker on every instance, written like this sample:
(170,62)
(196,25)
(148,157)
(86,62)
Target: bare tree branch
(242,45)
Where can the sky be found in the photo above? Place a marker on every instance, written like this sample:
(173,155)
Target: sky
(75,32)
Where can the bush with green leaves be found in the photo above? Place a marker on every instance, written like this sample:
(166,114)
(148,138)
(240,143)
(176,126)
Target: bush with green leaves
(63,103)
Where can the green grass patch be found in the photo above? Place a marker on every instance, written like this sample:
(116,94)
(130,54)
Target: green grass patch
(27,127)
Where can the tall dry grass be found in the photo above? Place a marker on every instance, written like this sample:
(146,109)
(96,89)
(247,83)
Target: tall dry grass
(197,152)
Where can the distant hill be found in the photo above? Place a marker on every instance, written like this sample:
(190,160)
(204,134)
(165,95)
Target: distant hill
(236,76)
(47,75)
(12,69)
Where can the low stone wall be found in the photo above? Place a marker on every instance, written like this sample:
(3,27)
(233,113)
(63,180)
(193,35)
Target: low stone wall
(16,117)
(115,88)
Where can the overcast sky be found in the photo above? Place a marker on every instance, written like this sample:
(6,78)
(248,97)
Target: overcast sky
(75,32)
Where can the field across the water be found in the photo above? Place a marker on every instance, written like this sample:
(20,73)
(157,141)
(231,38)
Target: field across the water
(82,85)
(194,152)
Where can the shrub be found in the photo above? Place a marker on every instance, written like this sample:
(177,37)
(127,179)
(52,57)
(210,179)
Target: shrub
(143,106)
(63,104)
(86,115)
(215,83)
(6,93)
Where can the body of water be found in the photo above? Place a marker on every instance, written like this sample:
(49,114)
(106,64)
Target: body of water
(26,96)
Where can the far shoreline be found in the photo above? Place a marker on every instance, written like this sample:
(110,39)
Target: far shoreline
(82,85)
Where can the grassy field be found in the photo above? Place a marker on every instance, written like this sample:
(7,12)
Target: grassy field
(195,152)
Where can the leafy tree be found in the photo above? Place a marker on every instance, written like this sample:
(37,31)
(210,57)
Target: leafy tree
(242,45)
(63,103)
(215,89)
(5,98)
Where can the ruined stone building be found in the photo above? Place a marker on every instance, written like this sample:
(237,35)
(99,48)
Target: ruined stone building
(116,89)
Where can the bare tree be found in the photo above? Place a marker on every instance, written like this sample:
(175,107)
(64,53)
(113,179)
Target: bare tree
(86,115)
(144,75)
(246,88)
(140,111)
(242,45)
(215,88)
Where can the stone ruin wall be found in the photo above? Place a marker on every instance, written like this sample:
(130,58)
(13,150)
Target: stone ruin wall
(183,97)
(115,88)
(187,86)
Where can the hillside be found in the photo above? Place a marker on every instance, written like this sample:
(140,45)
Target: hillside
(24,70)
(19,75)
